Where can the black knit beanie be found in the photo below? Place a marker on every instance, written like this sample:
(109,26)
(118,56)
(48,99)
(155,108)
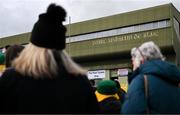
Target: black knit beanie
(48,31)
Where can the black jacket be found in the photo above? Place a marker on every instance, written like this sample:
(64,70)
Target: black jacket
(110,105)
(63,94)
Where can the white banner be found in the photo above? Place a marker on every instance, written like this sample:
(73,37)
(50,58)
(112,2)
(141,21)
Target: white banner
(99,74)
(122,72)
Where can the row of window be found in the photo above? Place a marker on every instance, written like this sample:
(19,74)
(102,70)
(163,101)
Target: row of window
(120,31)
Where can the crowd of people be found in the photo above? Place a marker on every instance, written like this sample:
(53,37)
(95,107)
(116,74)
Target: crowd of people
(47,80)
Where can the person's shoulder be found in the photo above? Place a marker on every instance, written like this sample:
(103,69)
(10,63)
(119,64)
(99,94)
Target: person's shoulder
(136,84)
(81,79)
(111,100)
(137,79)
(9,77)
(10,73)
(78,76)
(84,78)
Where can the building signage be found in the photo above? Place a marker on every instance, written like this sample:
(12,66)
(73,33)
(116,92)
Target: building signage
(122,72)
(136,36)
(99,74)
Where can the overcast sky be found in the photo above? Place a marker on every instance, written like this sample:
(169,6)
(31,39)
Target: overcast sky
(19,16)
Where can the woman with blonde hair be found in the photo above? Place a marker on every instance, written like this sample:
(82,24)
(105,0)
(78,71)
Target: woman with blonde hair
(44,79)
(154,84)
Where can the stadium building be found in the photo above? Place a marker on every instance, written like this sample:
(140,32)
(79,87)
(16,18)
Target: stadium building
(103,45)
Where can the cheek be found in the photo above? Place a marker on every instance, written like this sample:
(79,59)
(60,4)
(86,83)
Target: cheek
(135,64)
(132,62)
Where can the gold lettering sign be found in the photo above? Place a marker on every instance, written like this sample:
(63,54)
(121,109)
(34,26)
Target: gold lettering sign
(135,36)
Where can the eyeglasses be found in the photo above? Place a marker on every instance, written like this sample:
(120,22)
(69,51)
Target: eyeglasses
(140,53)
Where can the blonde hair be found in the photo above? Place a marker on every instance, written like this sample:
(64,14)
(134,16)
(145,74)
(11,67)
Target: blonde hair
(70,65)
(39,62)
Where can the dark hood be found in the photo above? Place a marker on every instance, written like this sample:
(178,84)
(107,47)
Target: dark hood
(159,68)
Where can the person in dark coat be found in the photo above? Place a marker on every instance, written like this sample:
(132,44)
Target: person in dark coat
(12,52)
(108,98)
(43,78)
(159,91)
(121,93)
(93,85)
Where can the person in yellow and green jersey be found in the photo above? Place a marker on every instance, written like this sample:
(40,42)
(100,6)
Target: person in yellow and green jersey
(107,97)
(2,60)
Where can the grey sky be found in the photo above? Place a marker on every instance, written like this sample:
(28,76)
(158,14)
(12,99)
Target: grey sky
(19,16)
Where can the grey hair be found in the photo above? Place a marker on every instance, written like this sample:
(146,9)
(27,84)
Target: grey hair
(147,51)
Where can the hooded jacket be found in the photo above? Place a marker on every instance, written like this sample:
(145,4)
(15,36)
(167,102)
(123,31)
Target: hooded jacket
(163,90)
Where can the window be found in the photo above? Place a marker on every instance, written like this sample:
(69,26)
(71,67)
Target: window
(123,30)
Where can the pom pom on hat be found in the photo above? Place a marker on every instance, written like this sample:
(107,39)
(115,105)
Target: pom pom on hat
(56,12)
(48,31)
(107,87)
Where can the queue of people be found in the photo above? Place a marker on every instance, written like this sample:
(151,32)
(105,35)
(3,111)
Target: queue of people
(47,80)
